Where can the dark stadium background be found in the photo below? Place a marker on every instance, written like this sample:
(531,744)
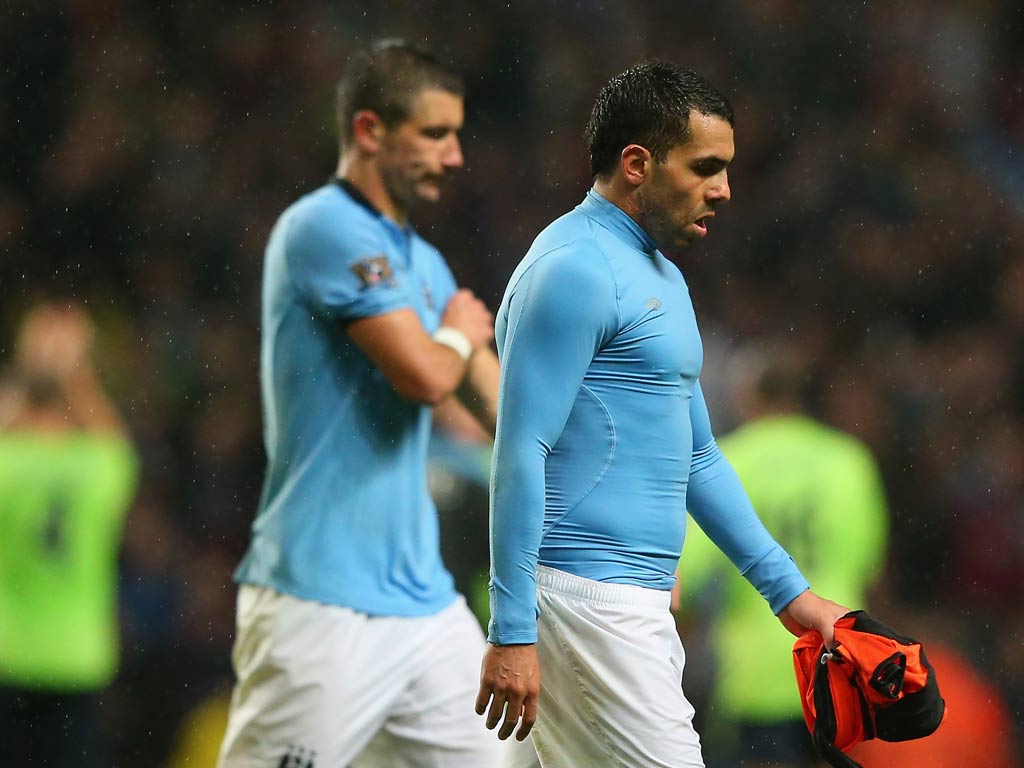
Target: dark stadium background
(877,220)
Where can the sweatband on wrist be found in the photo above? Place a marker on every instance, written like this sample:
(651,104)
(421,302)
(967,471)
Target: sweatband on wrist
(454,339)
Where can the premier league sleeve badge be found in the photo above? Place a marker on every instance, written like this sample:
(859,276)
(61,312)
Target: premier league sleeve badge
(375,271)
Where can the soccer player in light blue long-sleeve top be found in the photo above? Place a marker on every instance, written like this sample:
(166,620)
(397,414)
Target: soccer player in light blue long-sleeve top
(352,647)
(604,440)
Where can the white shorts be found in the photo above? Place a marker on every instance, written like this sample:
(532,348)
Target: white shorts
(321,686)
(611,678)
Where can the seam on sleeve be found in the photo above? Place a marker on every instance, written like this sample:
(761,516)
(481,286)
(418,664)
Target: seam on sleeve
(757,560)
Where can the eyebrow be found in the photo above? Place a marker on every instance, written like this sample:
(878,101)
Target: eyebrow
(710,160)
(440,128)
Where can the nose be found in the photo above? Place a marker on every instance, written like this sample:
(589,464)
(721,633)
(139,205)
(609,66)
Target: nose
(452,157)
(719,192)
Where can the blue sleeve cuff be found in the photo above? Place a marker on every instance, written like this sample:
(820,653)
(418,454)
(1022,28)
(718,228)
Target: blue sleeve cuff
(510,638)
(777,578)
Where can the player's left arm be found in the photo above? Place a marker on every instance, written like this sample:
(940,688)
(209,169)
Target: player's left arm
(720,505)
(478,391)
(550,342)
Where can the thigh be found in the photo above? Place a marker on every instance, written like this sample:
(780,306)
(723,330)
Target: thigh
(612,688)
(315,682)
(433,724)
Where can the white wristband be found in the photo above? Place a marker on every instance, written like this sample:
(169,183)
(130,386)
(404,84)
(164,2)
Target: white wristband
(455,339)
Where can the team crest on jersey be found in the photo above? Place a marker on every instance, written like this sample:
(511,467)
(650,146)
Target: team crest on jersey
(374,271)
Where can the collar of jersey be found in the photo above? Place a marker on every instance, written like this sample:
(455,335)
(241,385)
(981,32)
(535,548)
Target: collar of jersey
(352,191)
(609,215)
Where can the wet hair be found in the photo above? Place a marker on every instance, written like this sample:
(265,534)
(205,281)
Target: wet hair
(650,105)
(784,379)
(387,78)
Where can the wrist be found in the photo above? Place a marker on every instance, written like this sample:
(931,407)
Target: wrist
(455,340)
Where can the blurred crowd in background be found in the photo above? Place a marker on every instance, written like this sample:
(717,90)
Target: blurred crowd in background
(877,222)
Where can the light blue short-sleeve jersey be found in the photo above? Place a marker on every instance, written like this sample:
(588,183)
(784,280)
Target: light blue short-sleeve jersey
(345,517)
(603,435)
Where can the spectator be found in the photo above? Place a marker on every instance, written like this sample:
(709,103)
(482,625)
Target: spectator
(819,493)
(67,475)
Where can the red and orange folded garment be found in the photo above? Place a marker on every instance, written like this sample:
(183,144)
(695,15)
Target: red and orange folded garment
(874,684)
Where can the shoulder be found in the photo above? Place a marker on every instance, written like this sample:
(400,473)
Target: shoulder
(568,282)
(854,451)
(567,254)
(327,217)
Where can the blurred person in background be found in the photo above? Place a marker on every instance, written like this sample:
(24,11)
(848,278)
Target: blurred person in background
(352,645)
(604,439)
(819,492)
(67,476)
(978,728)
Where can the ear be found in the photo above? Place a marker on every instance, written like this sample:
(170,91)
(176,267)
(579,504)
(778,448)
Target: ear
(636,164)
(367,131)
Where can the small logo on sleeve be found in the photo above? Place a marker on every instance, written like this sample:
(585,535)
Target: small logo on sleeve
(428,296)
(374,271)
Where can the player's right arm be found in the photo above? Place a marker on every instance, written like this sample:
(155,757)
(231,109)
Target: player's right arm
(560,313)
(419,368)
(344,273)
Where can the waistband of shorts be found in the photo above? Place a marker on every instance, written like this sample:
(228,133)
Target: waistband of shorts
(560,582)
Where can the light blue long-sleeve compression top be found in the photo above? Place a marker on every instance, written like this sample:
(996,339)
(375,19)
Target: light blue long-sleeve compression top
(603,435)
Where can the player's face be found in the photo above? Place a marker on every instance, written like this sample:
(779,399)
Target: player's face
(417,154)
(683,192)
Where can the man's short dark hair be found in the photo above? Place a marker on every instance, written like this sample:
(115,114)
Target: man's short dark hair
(387,78)
(649,105)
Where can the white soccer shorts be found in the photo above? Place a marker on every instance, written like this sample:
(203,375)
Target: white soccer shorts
(322,686)
(611,678)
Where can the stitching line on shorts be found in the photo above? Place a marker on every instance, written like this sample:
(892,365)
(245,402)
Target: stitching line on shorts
(587,699)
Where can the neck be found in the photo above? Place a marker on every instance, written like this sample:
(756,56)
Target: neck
(363,173)
(39,420)
(615,190)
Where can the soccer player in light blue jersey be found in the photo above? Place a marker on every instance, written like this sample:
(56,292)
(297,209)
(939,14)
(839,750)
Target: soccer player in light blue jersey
(604,440)
(353,648)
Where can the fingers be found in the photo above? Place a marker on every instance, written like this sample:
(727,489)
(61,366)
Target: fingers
(482,697)
(529,718)
(495,712)
(795,627)
(512,711)
(507,710)
(470,315)
(512,708)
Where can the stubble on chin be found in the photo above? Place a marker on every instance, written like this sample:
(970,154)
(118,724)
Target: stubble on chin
(667,235)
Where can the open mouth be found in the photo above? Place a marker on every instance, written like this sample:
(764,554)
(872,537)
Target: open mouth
(701,225)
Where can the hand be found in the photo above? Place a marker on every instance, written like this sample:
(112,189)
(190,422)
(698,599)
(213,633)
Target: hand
(468,314)
(809,611)
(510,680)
